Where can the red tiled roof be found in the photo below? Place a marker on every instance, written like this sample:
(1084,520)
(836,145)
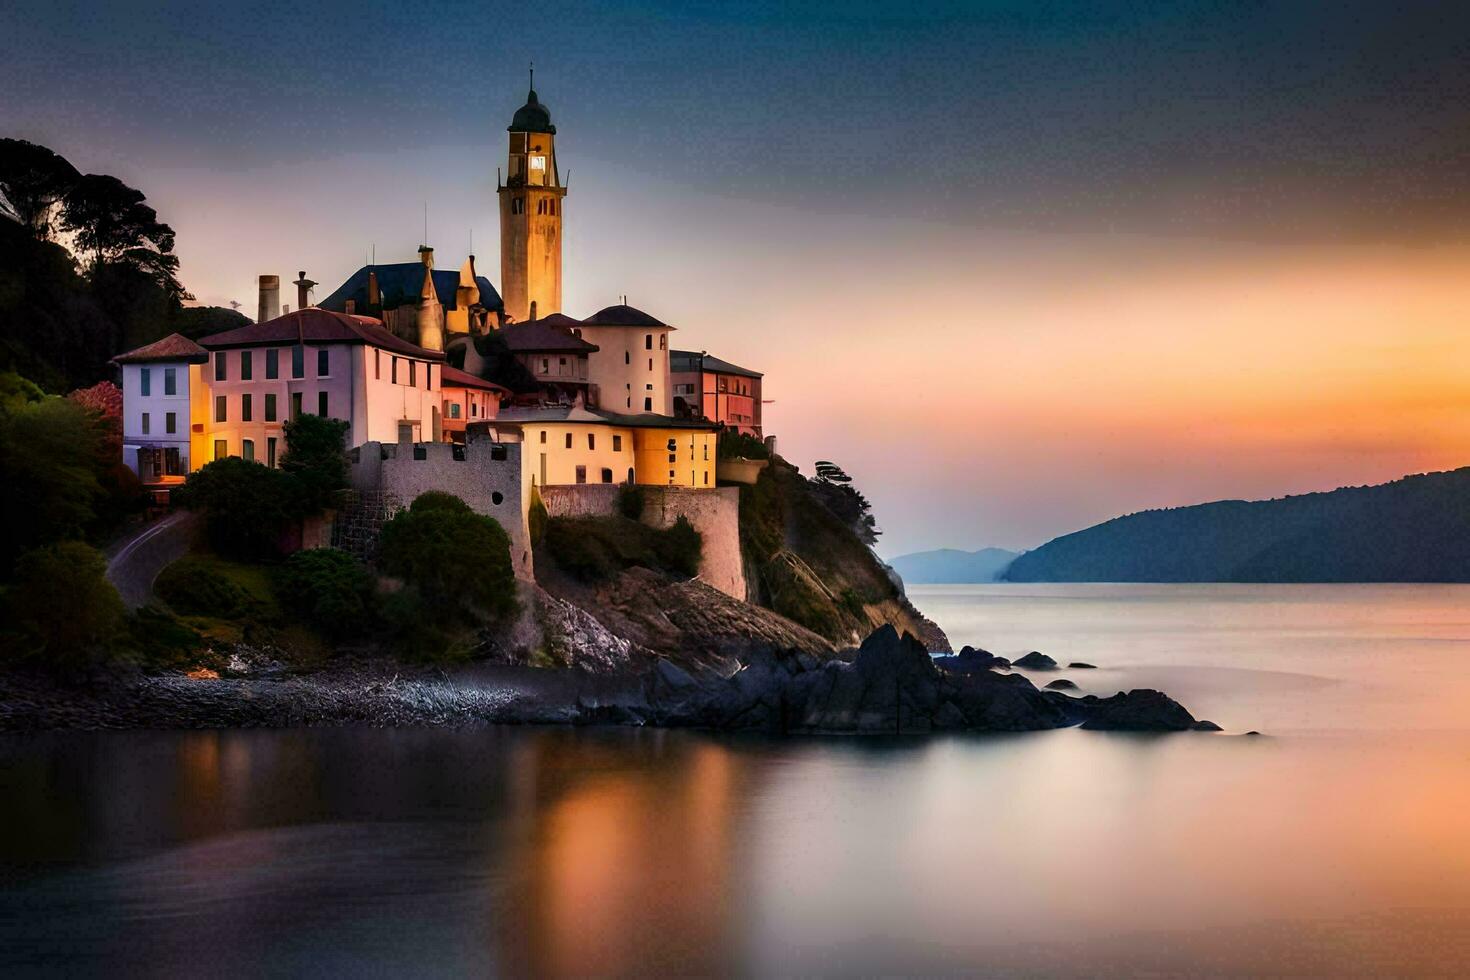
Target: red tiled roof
(174,347)
(545,335)
(453,377)
(314,325)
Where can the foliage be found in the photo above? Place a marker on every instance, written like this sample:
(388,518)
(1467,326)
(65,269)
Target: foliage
(113,222)
(536,517)
(50,475)
(458,561)
(33,180)
(594,549)
(316,458)
(742,445)
(328,589)
(194,586)
(247,506)
(440,500)
(159,639)
(834,488)
(77,632)
(630,501)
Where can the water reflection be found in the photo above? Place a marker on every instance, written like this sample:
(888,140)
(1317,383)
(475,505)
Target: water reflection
(620,852)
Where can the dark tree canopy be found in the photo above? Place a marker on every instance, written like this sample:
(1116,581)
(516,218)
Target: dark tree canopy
(111,220)
(33,181)
(316,457)
(247,506)
(459,561)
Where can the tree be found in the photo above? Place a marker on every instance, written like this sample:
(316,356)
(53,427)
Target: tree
(33,180)
(247,506)
(50,475)
(316,457)
(69,634)
(113,222)
(833,487)
(329,589)
(457,560)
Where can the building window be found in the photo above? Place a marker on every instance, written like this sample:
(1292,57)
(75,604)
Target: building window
(295,404)
(145,423)
(454,410)
(220,372)
(543,436)
(671,476)
(270,452)
(323,363)
(247,367)
(499,454)
(650,364)
(377,364)
(298,361)
(272,364)
(270,408)
(429,377)
(545,365)
(663,341)
(648,404)
(245,408)
(591,441)
(219,408)
(170,422)
(629,401)
(627,357)
(606,475)
(581,474)
(170,382)
(221,449)
(321,404)
(413,374)
(617,444)
(706,477)
(518,205)
(497,498)
(648,342)
(474,408)
(393,371)
(145,382)
(648,387)
(569,440)
(247,449)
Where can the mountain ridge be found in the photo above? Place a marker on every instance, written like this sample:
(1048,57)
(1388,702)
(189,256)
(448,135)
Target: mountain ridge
(946,566)
(1414,529)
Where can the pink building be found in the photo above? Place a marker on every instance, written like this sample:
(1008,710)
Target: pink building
(707,387)
(313,360)
(467,399)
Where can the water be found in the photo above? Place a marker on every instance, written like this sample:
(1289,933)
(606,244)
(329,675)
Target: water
(1336,844)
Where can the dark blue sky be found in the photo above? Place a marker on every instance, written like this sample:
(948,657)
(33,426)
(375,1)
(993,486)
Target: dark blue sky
(1238,118)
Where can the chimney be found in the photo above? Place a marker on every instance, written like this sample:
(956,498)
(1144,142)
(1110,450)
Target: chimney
(303,290)
(375,297)
(270,299)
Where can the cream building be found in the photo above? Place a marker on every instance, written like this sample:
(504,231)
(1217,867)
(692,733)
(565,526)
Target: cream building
(630,370)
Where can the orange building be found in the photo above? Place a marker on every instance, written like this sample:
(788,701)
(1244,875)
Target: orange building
(707,387)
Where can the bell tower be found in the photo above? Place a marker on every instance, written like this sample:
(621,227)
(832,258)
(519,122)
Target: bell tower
(530,215)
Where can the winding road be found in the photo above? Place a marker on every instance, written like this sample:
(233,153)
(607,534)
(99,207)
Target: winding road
(135,561)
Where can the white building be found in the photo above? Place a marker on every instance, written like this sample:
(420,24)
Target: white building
(630,370)
(159,382)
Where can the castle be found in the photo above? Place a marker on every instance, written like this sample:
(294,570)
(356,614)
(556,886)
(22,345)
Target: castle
(446,383)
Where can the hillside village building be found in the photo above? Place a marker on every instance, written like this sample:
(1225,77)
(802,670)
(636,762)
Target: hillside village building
(412,357)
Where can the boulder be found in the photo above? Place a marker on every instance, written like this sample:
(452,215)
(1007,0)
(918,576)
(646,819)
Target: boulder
(971,659)
(1207,726)
(1035,661)
(1079,665)
(1140,710)
(1061,684)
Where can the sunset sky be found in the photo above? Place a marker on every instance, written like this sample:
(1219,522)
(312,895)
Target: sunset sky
(1018,267)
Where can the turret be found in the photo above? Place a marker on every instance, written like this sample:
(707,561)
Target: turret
(430,319)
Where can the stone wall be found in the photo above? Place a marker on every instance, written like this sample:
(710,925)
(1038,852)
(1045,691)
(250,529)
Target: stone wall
(714,513)
(483,473)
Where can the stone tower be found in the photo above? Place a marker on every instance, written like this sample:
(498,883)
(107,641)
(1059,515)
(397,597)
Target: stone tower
(429,319)
(530,216)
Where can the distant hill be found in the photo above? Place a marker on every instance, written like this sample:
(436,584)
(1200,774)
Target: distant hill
(947,565)
(1416,529)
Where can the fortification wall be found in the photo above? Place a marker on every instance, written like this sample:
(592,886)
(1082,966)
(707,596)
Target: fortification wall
(483,473)
(715,514)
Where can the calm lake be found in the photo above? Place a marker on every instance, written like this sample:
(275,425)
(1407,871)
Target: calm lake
(1338,843)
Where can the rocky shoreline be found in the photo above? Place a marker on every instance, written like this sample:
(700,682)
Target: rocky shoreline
(889,685)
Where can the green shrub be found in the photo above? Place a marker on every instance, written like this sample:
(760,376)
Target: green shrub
(159,639)
(61,608)
(247,506)
(193,586)
(742,445)
(439,500)
(596,548)
(317,460)
(328,589)
(459,561)
(630,501)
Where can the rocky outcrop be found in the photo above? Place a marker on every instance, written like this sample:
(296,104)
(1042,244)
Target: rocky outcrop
(1036,661)
(970,660)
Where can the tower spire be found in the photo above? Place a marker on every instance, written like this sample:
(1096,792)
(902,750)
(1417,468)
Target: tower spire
(532,70)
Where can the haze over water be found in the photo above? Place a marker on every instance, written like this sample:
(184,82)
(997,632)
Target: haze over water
(1334,844)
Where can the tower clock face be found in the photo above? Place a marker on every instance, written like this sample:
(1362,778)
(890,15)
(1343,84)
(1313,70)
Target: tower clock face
(538,163)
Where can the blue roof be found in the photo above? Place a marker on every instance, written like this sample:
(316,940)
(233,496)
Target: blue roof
(401,282)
